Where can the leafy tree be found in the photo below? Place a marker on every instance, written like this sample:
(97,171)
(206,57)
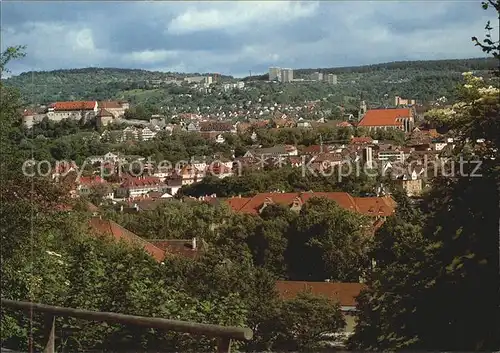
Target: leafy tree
(327,242)
(386,319)
(302,323)
(428,275)
(488,45)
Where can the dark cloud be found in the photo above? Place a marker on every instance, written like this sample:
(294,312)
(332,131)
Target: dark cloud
(235,37)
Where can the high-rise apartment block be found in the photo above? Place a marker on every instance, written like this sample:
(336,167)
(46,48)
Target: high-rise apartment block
(286,75)
(331,79)
(274,73)
(317,76)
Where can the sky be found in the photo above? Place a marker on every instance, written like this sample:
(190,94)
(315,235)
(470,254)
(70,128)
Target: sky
(236,37)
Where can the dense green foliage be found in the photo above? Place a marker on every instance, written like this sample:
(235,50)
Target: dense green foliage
(436,285)
(377,84)
(280,241)
(87,83)
(286,179)
(53,257)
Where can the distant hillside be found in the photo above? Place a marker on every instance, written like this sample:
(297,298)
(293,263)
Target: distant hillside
(451,65)
(377,84)
(88,83)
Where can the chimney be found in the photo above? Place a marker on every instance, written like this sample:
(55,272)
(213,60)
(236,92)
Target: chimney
(194,244)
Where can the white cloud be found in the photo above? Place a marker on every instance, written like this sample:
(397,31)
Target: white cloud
(257,34)
(151,56)
(240,15)
(61,43)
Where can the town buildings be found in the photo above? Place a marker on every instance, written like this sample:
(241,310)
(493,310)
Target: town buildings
(377,208)
(317,76)
(331,79)
(77,110)
(385,119)
(116,108)
(139,186)
(281,75)
(103,112)
(398,101)
(274,74)
(286,75)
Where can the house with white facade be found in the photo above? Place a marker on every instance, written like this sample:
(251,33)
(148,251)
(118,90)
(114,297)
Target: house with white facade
(147,134)
(139,186)
(76,110)
(115,108)
(130,133)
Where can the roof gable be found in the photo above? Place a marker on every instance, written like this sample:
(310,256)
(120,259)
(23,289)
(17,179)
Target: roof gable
(76,105)
(376,206)
(108,227)
(110,105)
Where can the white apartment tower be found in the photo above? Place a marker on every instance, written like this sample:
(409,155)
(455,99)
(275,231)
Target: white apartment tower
(274,73)
(317,76)
(286,75)
(331,79)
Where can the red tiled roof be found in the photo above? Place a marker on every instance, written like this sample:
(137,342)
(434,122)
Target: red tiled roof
(90,180)
(237,203)
(77,105)
(110,105)
(108,227)
(132,182)
(344,124)
(368,206)
(343,199)
(384,117)
(376,206)
(178,247)
(327,157)
(251,205)
(361,140)
(215,126)
(344,293)
(313,149)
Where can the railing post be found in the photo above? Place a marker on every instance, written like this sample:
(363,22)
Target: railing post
(224,333)
(50,329)
(223,345)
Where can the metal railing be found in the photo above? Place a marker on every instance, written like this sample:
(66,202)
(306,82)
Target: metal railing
(224,333)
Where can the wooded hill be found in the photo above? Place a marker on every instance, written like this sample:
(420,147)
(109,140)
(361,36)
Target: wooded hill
(421,80)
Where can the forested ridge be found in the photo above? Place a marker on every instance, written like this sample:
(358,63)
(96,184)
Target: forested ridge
(451,65)
(421,80)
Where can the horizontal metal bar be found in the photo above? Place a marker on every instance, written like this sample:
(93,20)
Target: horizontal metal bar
(236,333)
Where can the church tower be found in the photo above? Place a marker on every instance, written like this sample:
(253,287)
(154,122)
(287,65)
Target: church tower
(362,110)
